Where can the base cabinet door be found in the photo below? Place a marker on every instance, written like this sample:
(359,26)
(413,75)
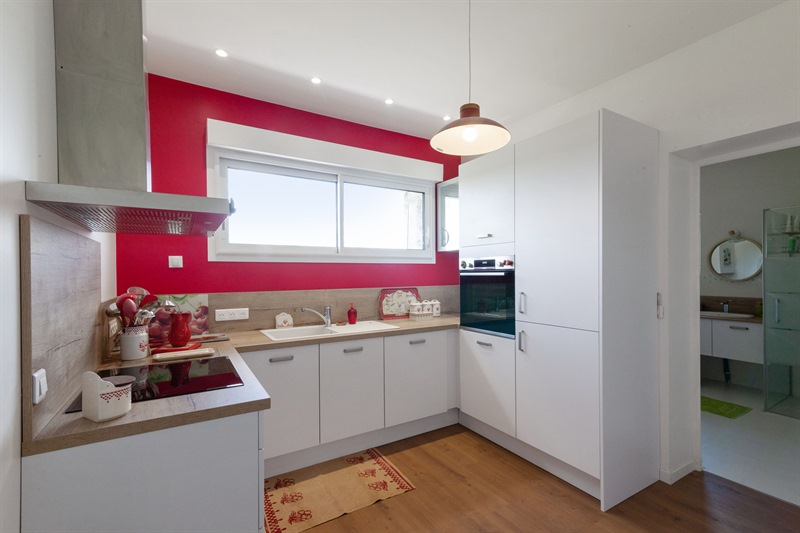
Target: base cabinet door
(203,477)
(291,378)
(416,376)
(558,396)
(351,388)
(487,380)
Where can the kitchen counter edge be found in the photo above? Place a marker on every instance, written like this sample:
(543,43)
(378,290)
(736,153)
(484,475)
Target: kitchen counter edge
(70,430)
(253,341)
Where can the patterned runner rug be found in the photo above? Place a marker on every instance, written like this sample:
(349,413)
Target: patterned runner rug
(307,497)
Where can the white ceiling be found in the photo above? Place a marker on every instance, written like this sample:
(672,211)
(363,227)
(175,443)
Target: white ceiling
(526,54)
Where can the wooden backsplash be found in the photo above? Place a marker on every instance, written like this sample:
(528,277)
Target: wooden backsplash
(265,305)
(61,315)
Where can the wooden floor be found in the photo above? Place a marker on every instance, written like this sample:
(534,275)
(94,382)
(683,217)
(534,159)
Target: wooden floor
(466,483)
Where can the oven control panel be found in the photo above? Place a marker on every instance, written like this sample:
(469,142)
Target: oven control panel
(503,262)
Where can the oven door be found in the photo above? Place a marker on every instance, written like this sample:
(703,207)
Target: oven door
(487,302)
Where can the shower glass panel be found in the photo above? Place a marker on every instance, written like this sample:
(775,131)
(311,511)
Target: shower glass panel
(782,311)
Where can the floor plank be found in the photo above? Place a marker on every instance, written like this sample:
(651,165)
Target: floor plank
(465,483)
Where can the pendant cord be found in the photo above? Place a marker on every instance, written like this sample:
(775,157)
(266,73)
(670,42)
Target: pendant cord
(469,48)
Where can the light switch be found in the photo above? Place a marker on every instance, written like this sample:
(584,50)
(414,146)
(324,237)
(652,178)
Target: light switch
(176,261)
(39,386)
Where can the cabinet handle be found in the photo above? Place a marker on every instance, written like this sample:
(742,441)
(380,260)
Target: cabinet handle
(523,302)
(487,344)
(484,236)
(418,341)
(353,350)
(519,342)
(742,328)
(777,310)
(281,359)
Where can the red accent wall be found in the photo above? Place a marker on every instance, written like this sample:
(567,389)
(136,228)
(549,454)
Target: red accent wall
(178,113)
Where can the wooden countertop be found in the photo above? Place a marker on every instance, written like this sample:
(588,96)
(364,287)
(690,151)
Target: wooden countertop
(251,341)
(68,430)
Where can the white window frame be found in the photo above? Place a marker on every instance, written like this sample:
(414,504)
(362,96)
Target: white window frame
(220,249)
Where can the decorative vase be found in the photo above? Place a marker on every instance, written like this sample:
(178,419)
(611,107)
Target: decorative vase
(179,331)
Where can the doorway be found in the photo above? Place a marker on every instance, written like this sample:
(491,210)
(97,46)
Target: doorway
(759,449)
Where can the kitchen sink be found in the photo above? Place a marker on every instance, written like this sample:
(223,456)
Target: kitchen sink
(722,314)
(300,332)
(310,332)
(363,327)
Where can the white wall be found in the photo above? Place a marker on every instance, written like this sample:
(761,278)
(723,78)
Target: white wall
(733,196)
(740,80)
(27,152)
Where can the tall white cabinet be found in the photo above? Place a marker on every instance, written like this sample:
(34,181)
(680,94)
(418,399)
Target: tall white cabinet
(586,347)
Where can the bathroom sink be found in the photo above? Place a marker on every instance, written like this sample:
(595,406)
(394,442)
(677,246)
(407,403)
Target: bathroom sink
(721,314)
(363,327)
(300,332)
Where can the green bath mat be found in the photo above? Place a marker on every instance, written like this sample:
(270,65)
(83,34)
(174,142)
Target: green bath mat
(726,409)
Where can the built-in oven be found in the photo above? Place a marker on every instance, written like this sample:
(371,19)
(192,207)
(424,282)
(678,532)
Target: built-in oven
(487,295)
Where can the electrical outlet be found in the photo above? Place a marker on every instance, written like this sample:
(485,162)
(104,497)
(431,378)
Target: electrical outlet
(220,315)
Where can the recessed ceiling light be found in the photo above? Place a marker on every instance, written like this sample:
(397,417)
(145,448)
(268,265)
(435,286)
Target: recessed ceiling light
(316,80)
(389,101)
(446,118)
(220,52)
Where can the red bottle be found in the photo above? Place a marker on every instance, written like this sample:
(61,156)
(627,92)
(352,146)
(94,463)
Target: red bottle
(352,314)
(179,331)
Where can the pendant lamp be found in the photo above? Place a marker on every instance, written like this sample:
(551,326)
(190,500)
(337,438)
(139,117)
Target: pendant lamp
(470,134)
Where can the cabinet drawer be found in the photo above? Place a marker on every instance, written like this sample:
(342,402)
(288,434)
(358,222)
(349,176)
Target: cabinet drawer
(741,341)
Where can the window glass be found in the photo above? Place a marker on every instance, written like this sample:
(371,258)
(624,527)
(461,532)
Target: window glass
(379,217)
(298,211)
(281,210)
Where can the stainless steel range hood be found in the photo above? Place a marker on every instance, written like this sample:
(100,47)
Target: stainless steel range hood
(103,141)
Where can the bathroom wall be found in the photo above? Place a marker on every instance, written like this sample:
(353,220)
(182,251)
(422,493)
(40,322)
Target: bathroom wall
(733,196)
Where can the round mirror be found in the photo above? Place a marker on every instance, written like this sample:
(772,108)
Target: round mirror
(737,260)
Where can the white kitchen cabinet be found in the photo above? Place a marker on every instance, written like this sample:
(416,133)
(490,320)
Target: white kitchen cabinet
(487,380)
(740,341)
(291,376)
(486,199)
(706,337)
(556,215)
(585,215)
(557,380)
(206,476)
(416,376)
(351,388)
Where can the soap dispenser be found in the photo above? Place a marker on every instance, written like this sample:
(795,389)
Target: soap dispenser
(352,314)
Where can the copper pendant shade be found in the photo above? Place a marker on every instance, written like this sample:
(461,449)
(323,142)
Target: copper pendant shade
(471,134)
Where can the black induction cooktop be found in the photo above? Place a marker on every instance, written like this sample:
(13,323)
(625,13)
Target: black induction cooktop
(163,380)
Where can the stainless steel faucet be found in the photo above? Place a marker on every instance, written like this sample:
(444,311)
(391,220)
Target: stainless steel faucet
(326,317)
